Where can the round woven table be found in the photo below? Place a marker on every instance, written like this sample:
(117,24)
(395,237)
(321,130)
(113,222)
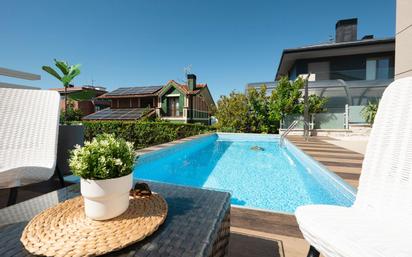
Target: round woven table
(64,230)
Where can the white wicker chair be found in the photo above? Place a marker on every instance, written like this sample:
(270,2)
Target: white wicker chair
(29,123)
(380,221)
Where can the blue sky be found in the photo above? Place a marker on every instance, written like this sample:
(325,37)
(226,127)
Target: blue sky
(135,43)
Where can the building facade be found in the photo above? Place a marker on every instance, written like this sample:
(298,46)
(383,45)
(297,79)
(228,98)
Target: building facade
(184,103)
(350,72)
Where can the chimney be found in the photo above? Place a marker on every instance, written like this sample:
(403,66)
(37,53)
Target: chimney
(191,81)
(346,30)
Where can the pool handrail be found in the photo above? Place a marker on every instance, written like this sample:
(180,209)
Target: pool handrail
(290,128)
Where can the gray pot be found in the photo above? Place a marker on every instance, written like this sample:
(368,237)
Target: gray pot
(69,136)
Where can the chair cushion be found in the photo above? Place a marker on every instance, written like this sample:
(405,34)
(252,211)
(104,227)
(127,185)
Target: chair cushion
(352,232)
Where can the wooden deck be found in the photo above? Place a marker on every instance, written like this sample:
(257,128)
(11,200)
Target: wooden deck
(253,232)
(345,163)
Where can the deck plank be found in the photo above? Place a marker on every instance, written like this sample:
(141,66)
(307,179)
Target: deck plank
(345,163)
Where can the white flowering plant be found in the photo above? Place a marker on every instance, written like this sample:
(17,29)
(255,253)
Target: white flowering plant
(104,157)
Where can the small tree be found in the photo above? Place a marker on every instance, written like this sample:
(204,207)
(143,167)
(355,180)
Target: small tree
(317,104)
(258,113)
(258,110)
(69,72)
(233,113)
(285,99)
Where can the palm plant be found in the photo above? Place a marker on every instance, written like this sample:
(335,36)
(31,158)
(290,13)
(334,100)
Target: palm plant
(69,72)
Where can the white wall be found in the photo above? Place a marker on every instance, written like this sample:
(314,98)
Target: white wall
(403,52)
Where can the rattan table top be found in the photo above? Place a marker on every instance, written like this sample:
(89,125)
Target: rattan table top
(64,229)
(190,229)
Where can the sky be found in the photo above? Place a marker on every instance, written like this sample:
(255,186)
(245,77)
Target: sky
(227,43)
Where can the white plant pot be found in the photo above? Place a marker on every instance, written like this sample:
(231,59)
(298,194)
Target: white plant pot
(107,198)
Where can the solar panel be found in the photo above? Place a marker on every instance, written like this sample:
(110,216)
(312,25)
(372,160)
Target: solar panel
(116,114)
(135,90)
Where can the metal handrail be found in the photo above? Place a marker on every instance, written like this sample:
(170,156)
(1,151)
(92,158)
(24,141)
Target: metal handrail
(290,128)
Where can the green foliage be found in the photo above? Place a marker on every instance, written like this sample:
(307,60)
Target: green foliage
(148,115)
(69,72)
(258,104)
(369,112)
(233,112)
(245,113)
(285,99)
(317,104)
(70,114)
(258,113)
(104,157)
(144,134)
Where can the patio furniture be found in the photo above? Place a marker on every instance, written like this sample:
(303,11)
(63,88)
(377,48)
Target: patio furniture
(29,123)
(380,221)
(197,223)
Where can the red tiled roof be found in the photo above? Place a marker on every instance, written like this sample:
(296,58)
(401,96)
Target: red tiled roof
(185,87)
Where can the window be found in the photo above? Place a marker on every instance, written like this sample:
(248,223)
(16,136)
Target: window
(383,69)
(377,68)
(320,69)
(173,106)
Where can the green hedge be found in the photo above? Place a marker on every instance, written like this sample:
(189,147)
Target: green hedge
(144,134)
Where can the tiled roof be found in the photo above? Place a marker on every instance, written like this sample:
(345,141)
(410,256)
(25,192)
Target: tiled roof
(185,87)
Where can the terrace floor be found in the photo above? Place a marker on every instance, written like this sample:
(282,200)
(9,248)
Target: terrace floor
(256,233)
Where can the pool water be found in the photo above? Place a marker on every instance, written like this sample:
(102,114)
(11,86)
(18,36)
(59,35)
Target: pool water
(255,169)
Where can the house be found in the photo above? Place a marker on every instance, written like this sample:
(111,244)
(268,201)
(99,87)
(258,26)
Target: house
(186,103)
(350,72)
(84,98)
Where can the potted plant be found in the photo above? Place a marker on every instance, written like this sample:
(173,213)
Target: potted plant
(105,166)
(69,72)
(69,134)
(369,112)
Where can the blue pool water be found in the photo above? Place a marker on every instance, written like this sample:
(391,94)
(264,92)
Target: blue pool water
(277,179)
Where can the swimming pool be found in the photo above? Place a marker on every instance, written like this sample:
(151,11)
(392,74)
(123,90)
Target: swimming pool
(253,167)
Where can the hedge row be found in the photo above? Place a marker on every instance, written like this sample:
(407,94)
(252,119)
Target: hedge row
(144,134)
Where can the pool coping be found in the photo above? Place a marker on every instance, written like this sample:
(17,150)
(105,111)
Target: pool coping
(332,175)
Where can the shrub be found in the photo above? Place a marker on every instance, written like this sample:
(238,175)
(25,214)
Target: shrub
(104,157)
(369,112)
(71,114)
(256,112)
(144,134)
